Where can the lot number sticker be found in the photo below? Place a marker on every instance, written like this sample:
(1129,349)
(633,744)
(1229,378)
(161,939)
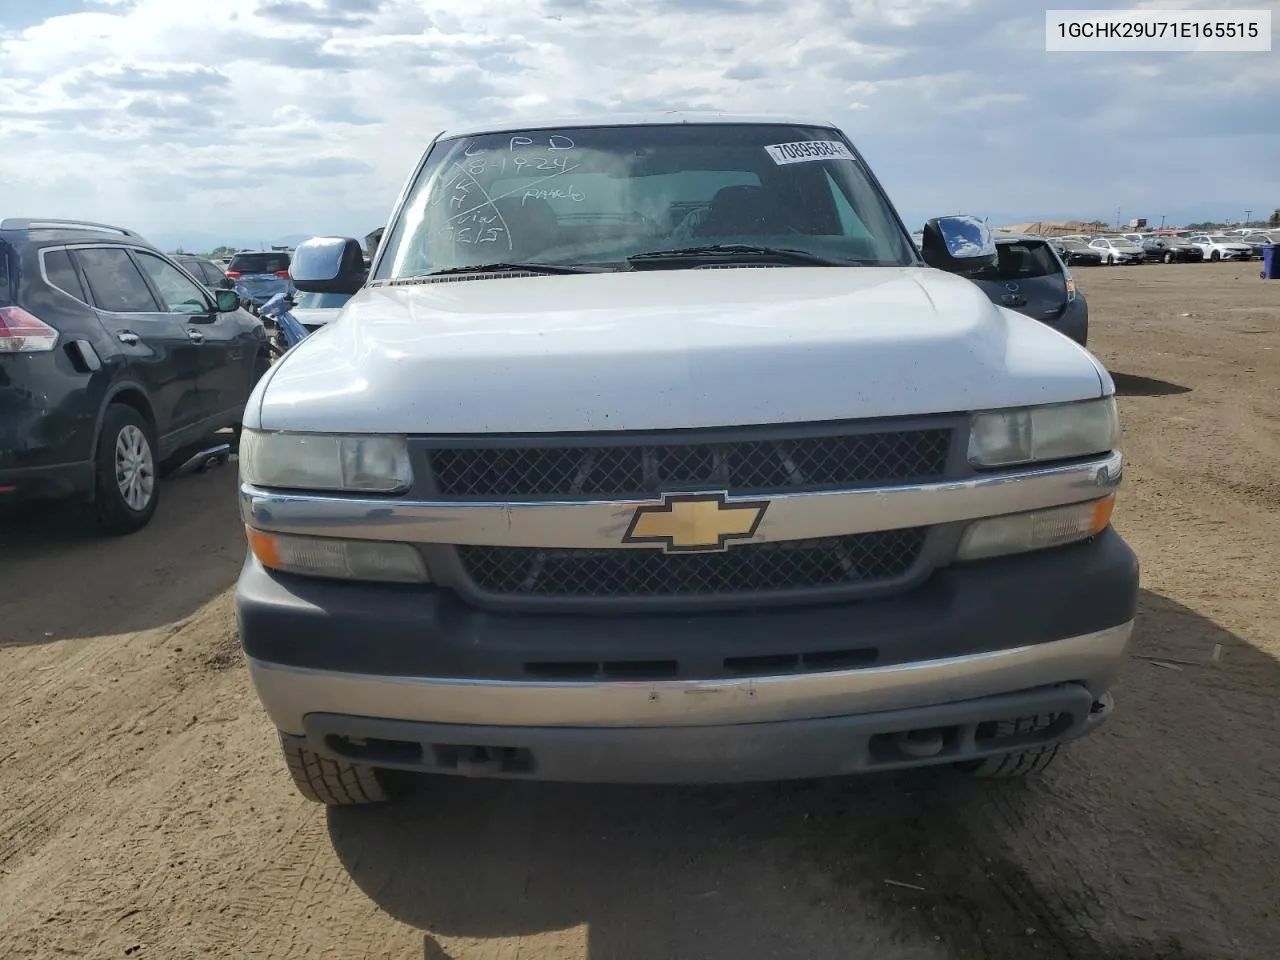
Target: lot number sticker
(806,150)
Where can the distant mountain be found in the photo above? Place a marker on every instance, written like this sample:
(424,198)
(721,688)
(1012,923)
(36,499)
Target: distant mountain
(194,241)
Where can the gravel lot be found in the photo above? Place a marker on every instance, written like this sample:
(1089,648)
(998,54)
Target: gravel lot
(144,809)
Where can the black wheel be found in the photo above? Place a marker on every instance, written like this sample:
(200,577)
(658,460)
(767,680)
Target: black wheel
(331,782)
(1168,258)
(1215,257)
(1017,763)
(1111,259)
(126,475)
(1009,766)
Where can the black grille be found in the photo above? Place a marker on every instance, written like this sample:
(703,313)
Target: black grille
(740,467)
(750,568)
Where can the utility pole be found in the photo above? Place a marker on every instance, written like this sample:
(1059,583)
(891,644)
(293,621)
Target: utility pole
(1162,221)
(1246,217)
(1117,218)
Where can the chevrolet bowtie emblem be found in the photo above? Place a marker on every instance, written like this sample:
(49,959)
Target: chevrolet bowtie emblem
(695,522)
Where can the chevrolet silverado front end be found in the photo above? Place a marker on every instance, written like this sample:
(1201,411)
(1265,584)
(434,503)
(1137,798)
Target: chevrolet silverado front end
(683,466)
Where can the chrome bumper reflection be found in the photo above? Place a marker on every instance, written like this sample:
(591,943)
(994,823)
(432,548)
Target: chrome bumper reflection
(290,693)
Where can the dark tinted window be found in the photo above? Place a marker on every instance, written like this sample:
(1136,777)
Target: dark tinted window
(61,273)
(212,275)
(180,294)
(259,262)
(1019,261)
(115,281)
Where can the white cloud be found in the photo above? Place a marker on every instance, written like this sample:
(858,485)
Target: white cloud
(293,116)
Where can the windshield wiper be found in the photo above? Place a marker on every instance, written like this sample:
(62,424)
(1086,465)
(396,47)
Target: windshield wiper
(503,267)
(740,251)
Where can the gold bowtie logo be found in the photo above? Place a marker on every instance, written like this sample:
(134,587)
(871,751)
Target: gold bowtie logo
(695,522)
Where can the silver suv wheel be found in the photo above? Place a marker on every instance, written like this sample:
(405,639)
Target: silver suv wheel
(135,468)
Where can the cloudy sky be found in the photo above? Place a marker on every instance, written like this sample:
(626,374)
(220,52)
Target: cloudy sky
(253,119)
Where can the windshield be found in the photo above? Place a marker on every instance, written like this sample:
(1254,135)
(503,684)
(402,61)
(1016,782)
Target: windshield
(598,195)
(1224,239)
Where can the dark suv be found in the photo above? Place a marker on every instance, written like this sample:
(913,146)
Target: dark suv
(260,276)
(113,360)
(1030,277)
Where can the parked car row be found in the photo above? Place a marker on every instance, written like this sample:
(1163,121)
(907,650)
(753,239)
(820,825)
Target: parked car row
(1135,248)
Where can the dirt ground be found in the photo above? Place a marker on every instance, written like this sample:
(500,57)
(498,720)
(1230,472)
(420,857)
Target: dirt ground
(144,809)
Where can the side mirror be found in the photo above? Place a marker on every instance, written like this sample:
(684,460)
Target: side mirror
(958,244)
(228,301)
(328,265)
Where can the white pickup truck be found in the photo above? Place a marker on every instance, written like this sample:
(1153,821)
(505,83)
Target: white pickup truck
(656,451)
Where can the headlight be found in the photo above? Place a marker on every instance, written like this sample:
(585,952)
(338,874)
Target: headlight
(1005,438)
(1037,530)
(340,559)
(322,461)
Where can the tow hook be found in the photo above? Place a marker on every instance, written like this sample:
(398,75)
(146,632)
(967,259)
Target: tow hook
(480,761)
(919,743)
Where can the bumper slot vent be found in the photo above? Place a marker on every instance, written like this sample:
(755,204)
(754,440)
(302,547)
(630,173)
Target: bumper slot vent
(818,662)
(610,670)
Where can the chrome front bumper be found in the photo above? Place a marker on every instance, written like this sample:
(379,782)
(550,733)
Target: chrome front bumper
(290,694)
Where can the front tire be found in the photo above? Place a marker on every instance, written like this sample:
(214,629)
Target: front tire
(126,474)
(335,783)
(1012,766)
(1168,258)
(1016,763)
(1215,257)
(1111,259)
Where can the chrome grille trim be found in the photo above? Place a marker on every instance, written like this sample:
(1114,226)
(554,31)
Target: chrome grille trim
(601,524)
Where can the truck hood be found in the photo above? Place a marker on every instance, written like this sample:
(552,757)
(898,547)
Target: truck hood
(654,350)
